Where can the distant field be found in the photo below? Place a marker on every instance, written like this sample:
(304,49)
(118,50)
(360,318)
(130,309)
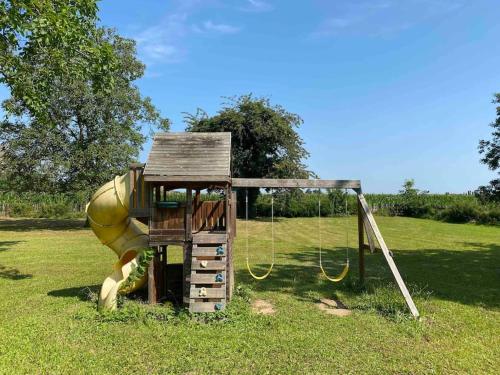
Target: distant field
(50,271)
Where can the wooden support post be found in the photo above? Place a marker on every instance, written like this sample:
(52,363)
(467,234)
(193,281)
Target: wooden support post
(196,204)
(361,247)
(229,246)
(164,265)
(152,292)
(189,214)
(387,255)
(186,271)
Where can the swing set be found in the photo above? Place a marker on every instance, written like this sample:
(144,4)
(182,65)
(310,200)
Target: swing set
(366,225)
(335,279)
(189,163)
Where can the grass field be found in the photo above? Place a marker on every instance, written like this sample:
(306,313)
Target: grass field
(50,272)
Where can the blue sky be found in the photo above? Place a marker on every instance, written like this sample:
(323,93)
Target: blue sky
(388,89)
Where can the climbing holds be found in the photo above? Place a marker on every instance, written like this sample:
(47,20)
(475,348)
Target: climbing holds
(219,278)
(203,292)
(220,250)
(203,264)
(218,306)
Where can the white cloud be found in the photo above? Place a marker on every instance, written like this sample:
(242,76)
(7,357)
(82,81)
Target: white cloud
(381,17)
(165,42)
(221,28)
(257,6)
(159,43)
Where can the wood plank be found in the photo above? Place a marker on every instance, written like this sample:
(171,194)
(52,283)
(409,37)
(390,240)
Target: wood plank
(369,236)
(211,293)
(387,256)
(295,183)
(187,178)
(361,241)
(160,240)
(152,293)
(209,251)
(210,265)
(204,307)
(167,232)
(206,278)
(209,238)
(188,219)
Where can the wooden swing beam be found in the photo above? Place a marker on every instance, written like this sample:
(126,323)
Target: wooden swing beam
(366,221)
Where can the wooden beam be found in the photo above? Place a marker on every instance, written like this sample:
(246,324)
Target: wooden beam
(189,214)
(208,178)
(387,255)
(361,241)
(295,183)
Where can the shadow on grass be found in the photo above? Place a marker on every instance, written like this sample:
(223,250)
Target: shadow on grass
(469,277)
(6,245)
(11,273)
(84,293)
(26,225)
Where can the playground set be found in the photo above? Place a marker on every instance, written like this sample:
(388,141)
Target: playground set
(134,212)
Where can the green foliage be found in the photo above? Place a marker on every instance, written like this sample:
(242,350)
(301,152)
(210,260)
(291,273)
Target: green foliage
(460,213)
(386,300)
(91,134)
(46,205)
(263,137)
(447,207)
(489,193)
(469,212)
(44,40)
(490,149)
(296,203)
(142,267)
(264,140)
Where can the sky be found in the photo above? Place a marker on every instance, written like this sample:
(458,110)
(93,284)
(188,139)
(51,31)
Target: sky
(387,89)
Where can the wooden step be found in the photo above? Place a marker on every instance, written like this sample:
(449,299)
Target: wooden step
(209,265)
(207,278)
(203,307)
(207,250)
(210,293)
(210,238)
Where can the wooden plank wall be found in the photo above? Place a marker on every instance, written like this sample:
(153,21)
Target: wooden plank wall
(208,215)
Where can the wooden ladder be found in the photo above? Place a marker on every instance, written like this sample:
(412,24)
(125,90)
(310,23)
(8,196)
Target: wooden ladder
(207,280)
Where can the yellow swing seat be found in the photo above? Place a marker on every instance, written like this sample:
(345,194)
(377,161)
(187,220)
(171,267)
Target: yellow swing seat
(259,277)
(338,278)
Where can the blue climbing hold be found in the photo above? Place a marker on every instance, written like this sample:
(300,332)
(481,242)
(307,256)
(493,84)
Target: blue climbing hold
(220,250)
(219,278)
(218,306)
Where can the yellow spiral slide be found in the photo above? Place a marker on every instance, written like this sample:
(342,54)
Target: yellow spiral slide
(107,213)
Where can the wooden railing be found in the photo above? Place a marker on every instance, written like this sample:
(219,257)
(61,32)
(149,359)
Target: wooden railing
(209,216)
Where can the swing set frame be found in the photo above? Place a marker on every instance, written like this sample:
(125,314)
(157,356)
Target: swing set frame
(366,222)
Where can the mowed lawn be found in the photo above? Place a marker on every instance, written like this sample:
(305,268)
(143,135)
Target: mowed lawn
(51,270)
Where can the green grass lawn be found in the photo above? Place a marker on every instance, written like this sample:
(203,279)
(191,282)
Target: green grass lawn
(51,270)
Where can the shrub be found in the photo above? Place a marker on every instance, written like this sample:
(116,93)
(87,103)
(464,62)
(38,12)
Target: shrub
(460,213)
(490,216)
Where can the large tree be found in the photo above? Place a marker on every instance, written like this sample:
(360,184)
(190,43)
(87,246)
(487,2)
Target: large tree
(88,133)
(490,151)
(264,139)
(44,39)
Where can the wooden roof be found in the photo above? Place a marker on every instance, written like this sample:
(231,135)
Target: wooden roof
(189,157)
